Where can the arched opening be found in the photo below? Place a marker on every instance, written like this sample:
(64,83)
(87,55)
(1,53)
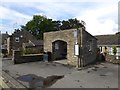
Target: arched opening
(59,49)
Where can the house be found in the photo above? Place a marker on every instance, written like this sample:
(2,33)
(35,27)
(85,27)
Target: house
(3,44)
(33,46)
(4,40)
(16,40)
(76,46)
(107,42)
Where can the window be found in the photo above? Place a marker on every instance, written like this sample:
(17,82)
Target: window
(17,39)
(56,46)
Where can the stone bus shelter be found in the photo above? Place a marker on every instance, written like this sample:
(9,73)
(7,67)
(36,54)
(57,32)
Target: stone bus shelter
(62,46)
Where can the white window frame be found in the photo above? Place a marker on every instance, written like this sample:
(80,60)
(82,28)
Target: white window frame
(56,46)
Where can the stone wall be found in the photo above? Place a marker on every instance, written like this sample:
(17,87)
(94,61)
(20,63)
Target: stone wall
(67,36)
(89,48)
(18,58)
(111,57)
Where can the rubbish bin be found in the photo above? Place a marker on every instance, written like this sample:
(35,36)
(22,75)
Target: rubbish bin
(49,56)
(45,57)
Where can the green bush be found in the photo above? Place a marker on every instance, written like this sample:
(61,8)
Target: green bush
(32,51)
(114,50)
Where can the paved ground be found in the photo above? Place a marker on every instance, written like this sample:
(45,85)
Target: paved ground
(104,75)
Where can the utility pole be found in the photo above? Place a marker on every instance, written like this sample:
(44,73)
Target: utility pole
(77,46)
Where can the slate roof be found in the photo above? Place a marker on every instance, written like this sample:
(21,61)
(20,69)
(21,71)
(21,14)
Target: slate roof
(18,33)
(37,42)
(34,43)
(28,44)
(108,39)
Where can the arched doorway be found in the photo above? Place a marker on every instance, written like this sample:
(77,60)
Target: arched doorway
(59,49)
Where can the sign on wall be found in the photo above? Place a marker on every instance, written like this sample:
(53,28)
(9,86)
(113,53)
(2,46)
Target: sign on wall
(76,49)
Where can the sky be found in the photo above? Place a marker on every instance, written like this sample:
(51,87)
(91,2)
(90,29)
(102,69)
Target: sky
(100,16)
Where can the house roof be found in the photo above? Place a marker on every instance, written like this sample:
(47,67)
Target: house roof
(28,44)
(25,33)
(37,42)
(33,43)
(108,39)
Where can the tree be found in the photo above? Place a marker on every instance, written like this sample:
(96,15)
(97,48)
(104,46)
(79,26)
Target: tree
(114,50)
(65,25)
(118,33)
(40,24)
(56,25)
(72,23)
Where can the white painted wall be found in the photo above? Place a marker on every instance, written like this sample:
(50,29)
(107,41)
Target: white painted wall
(109,49)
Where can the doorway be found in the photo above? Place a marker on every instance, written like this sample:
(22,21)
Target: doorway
(59,49)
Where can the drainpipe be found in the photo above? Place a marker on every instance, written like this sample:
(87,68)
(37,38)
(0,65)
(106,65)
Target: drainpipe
(81,50)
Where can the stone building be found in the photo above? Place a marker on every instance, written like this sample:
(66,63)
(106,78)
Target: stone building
(3,44)
(15,41)
(4,40)
(62,46)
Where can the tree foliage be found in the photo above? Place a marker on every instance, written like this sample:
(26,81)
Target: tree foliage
(114,50)
(40,24)
(118,33)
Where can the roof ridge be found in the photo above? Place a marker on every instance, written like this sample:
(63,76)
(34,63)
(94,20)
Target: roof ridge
(106,35)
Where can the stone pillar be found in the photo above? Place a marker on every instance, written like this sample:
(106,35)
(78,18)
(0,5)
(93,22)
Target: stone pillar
(9,46)
(16,56)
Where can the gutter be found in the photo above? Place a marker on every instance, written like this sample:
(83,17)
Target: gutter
(109,45)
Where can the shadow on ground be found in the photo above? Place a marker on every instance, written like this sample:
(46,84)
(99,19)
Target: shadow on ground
(38,81)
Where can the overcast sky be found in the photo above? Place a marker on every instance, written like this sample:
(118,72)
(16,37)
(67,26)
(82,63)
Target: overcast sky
(101,16)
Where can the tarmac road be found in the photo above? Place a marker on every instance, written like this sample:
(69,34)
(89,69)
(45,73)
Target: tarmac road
(104,75)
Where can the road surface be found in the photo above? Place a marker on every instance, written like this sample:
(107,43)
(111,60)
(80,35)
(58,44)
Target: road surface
(103,75)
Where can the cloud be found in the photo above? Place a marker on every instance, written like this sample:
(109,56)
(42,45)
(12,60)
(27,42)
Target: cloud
(9,17)
(99,15)
(58,10)
(4,28)
(11,14)
(60,1)
(101,20)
